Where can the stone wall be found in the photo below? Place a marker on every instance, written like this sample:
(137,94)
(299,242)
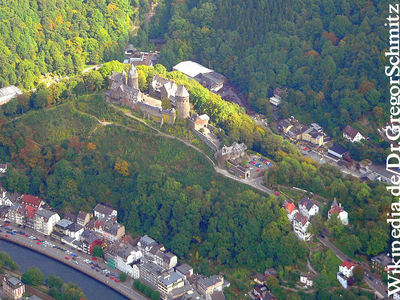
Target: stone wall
(206,140)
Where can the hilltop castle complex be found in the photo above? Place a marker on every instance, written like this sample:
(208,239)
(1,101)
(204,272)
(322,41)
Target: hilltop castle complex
(124,90)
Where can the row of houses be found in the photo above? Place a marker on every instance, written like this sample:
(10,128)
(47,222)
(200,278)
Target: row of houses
(142,258)
(296,131)
(300,218)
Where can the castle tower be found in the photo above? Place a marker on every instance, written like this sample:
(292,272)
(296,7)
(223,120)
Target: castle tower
(182,102)
(133,77)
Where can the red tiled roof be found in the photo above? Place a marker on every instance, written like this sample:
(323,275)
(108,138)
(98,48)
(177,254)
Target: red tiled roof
(31,200)
(347,264)
(290,207)
(30,211)
(336,209)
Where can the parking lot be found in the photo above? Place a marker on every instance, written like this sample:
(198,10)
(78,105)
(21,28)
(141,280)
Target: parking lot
(257,166)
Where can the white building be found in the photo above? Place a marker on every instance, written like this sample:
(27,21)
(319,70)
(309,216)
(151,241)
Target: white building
(308,208)
(352,134)
(101,211)
(339,210)
(127,260)
(275,100)
(307,279)
(291,210)
(345,272)
(3,168)
(300,227)
(191,68)
(168,282)
(45,220)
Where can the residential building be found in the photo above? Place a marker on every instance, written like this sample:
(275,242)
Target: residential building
(208,285)
(169,281)
(313,136)
(339,210)
(45,220)
(346,268)
(307,279)
(15,215)
(260,278)
(352,134)
(149,273)
(185,270)
(83,218)
(101,212)
(8,199)
(127,260)
(290,210)
(380,263)
(345,273)
(61,228)
(270,272)
(13,288)
(300,226)
(337,151)
(113,231)
(32,201)
(239,170)
(90,239)
(8,93)
(3,168)
(308,208)
(284,125)
(71,217)
(75,231)
(275,100)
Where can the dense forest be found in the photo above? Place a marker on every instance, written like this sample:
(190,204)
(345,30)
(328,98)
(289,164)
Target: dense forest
(60,37)
(328,54)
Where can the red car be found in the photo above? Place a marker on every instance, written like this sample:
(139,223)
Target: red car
(66,257)
(94,258)
(117,280)
(276,193)
(26,234)
(6,224)
(111,277)
(39,243)
(305,149)
(7,235)
(258,170)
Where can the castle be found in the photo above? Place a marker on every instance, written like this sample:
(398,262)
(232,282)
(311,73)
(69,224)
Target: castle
(124,90)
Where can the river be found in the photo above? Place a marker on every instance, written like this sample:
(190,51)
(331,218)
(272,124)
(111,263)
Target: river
(26,258)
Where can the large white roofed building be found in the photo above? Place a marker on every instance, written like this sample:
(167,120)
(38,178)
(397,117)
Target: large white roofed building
(9,92)
(191,68)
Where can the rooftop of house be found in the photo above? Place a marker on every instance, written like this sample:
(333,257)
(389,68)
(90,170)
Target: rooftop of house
(184,268)
(350,131)
(347,264)
(12,281)
(124,250)
(339,149)
(31,200)
(75,227)
(89,236)
(307,203)
(290,207)
(111,227)
(45,213)
(102,209)
(210,281)
(308,275)
(170,277)
(382,259)
(82,215)
(301,218)
(70,216)
(64,223)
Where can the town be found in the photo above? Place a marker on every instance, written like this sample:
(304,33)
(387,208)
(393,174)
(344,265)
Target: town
(140,258)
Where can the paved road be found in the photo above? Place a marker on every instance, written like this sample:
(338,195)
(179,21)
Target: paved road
(79,264)
(376,284)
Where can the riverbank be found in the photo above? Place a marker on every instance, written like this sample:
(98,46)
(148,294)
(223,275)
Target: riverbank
(123,289)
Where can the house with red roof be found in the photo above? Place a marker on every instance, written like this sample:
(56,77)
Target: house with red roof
(290,210)
(32,201)
(345,273)
(339,211)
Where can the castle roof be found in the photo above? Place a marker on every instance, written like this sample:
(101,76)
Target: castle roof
(182,92)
